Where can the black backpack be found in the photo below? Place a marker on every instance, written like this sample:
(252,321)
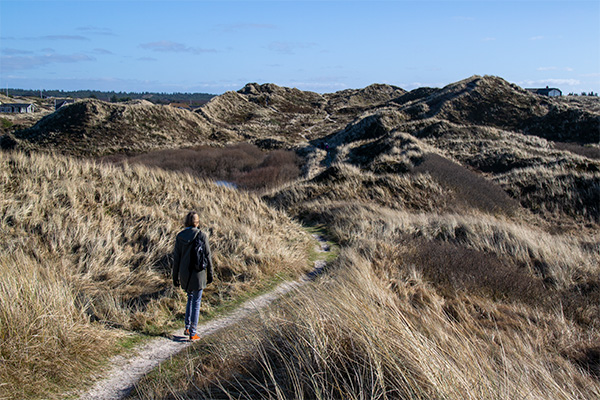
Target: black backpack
(198,257)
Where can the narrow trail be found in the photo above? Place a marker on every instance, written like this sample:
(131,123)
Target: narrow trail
(127,370)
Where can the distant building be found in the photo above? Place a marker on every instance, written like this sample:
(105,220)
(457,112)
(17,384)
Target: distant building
(547,91)
(17,108)
(184,106)
(58,103)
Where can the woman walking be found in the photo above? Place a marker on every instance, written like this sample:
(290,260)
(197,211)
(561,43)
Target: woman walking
(192,277)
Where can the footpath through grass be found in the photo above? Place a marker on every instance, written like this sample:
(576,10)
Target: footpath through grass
(180,367)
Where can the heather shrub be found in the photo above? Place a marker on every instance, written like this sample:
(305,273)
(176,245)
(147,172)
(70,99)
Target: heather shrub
(470,189)
(244,164)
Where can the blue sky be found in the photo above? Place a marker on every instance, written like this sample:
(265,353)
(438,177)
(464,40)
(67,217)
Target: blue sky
(322,46)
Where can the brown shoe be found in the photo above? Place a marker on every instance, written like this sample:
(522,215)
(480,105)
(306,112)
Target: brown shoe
(194,338)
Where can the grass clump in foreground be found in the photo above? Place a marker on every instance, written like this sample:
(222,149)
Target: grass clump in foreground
(86,249)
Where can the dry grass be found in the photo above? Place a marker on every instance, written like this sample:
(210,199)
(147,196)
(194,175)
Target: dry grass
(94,127)
(564,258)
(99,238)
(556,191)
(419,306)
(376,329)
(47,340)
(558,182)
(343,182)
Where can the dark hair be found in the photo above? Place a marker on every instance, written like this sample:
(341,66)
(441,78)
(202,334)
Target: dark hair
(189,219)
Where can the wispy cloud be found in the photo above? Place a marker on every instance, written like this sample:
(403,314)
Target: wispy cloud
(536,38)
(462,18)
(58,37)
(245,27)
(488,39)
(94,30)
(15,63)
(147,59)
(13,52)
(568,69)
(102,51)
(165,46)
(288,47)
(549,82)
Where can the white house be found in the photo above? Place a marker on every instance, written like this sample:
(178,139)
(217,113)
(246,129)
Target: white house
(547,91)
(17,108)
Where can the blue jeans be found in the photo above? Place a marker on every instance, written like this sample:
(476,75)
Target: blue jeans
(192,311)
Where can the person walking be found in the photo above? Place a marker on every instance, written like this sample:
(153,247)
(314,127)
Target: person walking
(187,275)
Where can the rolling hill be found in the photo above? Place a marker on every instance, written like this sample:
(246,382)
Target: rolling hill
(468,218)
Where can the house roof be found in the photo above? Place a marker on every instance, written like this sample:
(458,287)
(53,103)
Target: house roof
(17,104)
(545,90)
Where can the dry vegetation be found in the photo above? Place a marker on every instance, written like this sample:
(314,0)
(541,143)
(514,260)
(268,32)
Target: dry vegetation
(451,283)
(83,242)
(468,218)
(447,288)
(244,165)
(406,318)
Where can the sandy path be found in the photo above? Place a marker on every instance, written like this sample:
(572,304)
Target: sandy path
(126,371)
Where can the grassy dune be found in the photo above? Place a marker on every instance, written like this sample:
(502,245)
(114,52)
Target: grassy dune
(470,261)
(379,326)
(85,259)
(463,303)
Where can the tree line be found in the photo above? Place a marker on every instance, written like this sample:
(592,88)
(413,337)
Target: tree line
(112,96)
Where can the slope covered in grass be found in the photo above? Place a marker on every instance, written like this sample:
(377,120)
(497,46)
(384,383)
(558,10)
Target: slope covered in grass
(450,284)
(417,306)
(470,246)
(86,249)
(94,128)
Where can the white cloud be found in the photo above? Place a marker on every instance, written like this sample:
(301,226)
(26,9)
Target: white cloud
(568,69)
(488,39)
(288,47)
(58,37)
(166,46)
(14,63)
(549,82)
(102,51)
(246,27)
(96,30)
(536,38)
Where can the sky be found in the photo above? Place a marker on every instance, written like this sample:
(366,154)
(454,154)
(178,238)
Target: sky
(320,46)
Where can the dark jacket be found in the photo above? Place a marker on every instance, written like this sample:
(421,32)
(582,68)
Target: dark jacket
(184,274)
